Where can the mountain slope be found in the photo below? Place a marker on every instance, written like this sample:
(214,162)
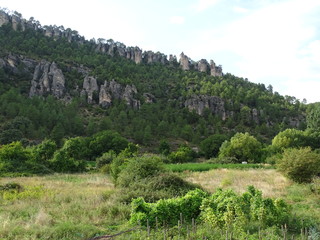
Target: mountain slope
(58,84)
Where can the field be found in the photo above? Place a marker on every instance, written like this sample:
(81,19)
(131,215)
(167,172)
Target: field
(200,167)
(81,206)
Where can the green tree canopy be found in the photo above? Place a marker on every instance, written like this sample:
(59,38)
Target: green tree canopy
(210,146)
(242,147)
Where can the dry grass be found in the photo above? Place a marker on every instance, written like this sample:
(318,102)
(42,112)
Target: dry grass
(269,181)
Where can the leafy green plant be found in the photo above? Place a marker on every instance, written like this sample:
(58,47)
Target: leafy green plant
(226,209)
(167,210)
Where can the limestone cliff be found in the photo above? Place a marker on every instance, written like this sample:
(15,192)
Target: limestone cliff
(47,79)
(214,104)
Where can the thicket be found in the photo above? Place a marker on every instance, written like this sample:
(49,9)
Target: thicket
(47,157)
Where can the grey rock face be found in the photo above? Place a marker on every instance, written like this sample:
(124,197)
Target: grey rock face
(111,49)
(137,55)
(90,87)
(215,70)
(4,18)
(48,31)
(113,90)
(184,62)
(11,63)
(128,96)
(105,99)
(47,79)
(202,102)
(203,65)
(16,21)
(58,80)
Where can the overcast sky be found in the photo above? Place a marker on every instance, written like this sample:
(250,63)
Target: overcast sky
(273,42)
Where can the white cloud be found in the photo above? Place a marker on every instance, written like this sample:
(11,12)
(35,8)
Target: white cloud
(274,44)
(177,20)
(202,5)
(238,9)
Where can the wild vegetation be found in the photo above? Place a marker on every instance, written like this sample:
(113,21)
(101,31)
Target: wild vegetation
(74,170)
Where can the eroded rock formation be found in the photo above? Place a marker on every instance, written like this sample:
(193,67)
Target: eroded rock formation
(47,79)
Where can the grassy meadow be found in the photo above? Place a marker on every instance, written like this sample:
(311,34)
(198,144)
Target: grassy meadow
(81,206)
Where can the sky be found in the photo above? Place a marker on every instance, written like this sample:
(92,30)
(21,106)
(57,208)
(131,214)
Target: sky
(274,42)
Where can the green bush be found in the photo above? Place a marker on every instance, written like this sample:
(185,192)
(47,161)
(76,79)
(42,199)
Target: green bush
(183,154)
(138,168)
(162,186)
(300,165)
(164,147)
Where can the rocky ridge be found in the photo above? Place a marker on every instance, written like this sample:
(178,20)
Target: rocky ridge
(109,46)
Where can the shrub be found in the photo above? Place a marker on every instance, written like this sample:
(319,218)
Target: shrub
(183,154)
(106,158)
(13,158)
(164,147)
(300,165)
(43,152)
(138,168)
(162,186)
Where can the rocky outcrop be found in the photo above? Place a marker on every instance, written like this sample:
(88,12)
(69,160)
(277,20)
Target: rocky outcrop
(105,99)
(18,22)
(128,96)
(4,18)
(214,104)
(151,57)
(112,90)
(184,62)
(47,79)
(17,64)
(215,70)
(90,87)
(203,66)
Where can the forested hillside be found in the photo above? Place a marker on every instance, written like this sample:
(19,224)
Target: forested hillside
(55,84)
